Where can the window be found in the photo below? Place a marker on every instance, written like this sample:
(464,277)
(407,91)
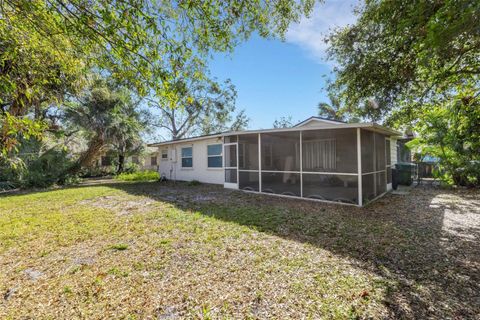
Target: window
(153,161)
(214,154)
(135,159)
(319,155)
(187,157)
(165,154)
(106,161)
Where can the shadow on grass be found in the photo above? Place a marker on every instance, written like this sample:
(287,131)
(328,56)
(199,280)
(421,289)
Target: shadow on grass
(424,245)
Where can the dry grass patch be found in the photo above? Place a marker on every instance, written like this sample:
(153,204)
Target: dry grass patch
(162,251)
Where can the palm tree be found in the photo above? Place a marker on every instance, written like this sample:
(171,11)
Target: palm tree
(334,111)
(331,110)
(106,115)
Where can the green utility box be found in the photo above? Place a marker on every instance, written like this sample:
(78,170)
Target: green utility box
(405,172)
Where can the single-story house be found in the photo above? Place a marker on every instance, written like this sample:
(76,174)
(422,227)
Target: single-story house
(147,160)
(317,159)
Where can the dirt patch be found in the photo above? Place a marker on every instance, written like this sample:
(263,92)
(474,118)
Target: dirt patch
(120,205)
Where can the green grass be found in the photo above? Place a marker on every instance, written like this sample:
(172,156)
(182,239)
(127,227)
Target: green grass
(122,251)
(146,175)
(119,246)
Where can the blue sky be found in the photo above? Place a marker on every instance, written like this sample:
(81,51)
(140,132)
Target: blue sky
(275,78)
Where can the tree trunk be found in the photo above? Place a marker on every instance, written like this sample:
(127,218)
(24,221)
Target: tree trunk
(121,163)
(87,158)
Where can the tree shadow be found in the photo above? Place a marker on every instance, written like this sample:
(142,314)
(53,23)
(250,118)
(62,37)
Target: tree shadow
(424,246)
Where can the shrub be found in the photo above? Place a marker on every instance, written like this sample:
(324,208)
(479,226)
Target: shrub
(46,170)
(147,175)
(194,183)
(97,171)
(131,167)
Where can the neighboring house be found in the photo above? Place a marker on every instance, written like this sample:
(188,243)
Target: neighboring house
(149,159)
(403,152)
(317,159)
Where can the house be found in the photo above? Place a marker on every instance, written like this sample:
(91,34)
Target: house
(317,159)
(147,160)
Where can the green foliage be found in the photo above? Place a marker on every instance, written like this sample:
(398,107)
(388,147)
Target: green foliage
(48,169)
(13,129)
(47,46)
(334,111)
(38,165)
(194,183)
(36,71)
(107,116)
(283,122)
(400,54)
(6,185)
(131,167)
(119,246)
(416,64)
(451,133)
(141,41)
(39,170)
(139,176)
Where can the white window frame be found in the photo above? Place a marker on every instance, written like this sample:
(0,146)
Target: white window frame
(182,157)
(164,152)
(216,155)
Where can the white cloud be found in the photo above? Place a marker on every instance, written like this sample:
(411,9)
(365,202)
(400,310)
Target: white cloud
(310,33)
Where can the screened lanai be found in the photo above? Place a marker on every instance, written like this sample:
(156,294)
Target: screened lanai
(344,165)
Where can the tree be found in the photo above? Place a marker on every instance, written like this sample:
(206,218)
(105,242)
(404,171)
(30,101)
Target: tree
(139,43)
(416,64)
(333,111)
(400,55)
(450,132)
(128,123)
(283,122)
(34,74)
(204,106)
(105,115)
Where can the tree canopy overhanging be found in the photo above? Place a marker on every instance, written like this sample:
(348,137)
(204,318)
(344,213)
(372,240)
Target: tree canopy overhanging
(416,64)
(47,47)
(400,54)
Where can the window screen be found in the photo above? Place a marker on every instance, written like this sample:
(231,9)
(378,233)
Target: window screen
(339,188)
(248,152)
(319,155)
(284,183)
(248,180)
(230,154)
(333,150)
(231,175)
(281,151)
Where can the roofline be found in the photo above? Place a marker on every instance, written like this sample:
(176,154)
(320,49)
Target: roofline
(372,126)
(206,136)
(319,119)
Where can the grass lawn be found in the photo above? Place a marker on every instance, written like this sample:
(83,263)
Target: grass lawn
(149,250)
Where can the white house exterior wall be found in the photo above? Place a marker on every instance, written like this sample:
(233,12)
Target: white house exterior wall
(172,167)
